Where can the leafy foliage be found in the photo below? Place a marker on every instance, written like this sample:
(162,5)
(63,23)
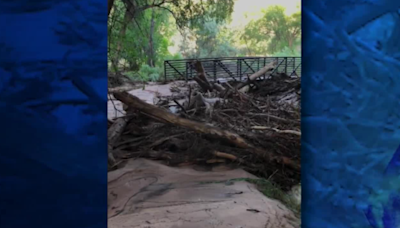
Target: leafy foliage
(134,46)
(274,32)
(189,12)
(142,37)
(211,39)
(142,32)
(149,73)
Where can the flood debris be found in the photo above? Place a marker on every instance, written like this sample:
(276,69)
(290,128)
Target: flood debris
(257,128)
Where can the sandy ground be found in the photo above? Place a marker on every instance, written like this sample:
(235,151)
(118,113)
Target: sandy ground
(149,194)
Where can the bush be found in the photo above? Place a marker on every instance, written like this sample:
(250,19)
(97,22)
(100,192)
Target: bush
(145,74)
(148,73)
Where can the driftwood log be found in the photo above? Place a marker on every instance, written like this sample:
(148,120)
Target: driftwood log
(159,114)
(167,117)
(265,70)
(201,78)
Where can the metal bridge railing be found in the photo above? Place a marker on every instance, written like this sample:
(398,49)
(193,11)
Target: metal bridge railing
(236,68)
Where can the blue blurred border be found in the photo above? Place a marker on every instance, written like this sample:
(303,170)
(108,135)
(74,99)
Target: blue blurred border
(53,102)
(351,114)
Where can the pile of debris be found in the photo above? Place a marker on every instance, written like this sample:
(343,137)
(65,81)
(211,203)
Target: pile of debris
(253,124)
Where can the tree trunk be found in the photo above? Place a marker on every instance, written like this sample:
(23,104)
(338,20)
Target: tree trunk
(150,61)
(167,117)
(128,17)
(290,43)
(110,6)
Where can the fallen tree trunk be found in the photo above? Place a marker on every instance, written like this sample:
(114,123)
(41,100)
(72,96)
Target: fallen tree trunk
(268,68)
(167,117)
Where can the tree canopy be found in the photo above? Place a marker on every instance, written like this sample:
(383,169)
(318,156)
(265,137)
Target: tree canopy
(274,32)
(142,33)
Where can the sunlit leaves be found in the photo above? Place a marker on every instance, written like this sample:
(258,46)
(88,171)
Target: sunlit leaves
(274,32)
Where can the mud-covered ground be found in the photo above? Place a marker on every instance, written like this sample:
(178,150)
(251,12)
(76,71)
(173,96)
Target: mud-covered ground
(149,194)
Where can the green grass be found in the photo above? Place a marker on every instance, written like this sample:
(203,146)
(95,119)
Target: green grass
(272,191)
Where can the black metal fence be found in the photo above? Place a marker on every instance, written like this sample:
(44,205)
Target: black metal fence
(236,68)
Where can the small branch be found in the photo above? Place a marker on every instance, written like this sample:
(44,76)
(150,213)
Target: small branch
(180,106)
(225,155)
(293,132)
(275,117)
(169,10)
(231,157)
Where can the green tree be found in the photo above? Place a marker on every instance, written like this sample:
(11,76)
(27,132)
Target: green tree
(144,40)
(211,39)
(274,32)
(140,31)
